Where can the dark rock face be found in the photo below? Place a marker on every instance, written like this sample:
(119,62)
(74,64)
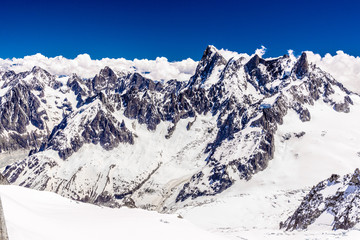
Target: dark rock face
(143,108)
(78,88)
(304,113)
(302,66)
(210,59)
(19,109)
(253,70)
(105,130)
(105,80)
(342,107)
(335,196)
(33,165)
(102,128)
(262,72)
(3,180)
(23,119)
(108,81)
(139,82)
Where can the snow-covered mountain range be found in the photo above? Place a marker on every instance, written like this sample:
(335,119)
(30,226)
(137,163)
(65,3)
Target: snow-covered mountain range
(120,138)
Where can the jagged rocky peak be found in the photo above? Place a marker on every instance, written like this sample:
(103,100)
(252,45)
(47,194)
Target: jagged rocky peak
(74,82)
(107,71)
(254,63)
(301,68)
(210,52)
(233,77)
(105,80)
(273,79)
(211,63)
(334,202)
(264,72)
(41,73)
(108,74)
(141,83)
(270,64)
(39,70)
(110,81)
(38,78)
(79,87)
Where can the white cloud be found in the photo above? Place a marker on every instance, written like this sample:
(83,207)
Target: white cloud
(260,51)
(343,67)
(84,66)
(291,55)
(227,54)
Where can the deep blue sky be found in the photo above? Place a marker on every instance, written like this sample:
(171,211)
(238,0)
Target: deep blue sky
(176,29)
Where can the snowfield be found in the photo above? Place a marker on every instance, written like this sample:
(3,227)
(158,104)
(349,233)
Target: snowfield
(35,215)
(40,215)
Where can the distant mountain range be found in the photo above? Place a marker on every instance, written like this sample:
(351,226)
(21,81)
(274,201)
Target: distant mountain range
(120,138)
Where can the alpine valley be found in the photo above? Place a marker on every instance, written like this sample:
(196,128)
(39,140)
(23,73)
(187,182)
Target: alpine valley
(235,149)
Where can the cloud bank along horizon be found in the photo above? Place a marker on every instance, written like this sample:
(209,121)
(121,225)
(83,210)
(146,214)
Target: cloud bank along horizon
(343,67)
(85,67)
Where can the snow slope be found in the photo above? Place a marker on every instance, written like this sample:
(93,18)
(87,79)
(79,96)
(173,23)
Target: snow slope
(35,215)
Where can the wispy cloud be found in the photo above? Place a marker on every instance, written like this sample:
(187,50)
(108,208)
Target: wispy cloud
(260,51)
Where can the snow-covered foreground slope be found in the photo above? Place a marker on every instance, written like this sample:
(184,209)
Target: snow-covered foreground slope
(35,215)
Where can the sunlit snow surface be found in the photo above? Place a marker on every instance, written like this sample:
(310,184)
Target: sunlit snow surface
(35,215)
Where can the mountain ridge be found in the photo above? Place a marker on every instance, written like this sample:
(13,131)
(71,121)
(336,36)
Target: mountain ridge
(236,103)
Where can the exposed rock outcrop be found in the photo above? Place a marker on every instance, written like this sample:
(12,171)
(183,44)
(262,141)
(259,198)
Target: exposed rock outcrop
(337,198)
